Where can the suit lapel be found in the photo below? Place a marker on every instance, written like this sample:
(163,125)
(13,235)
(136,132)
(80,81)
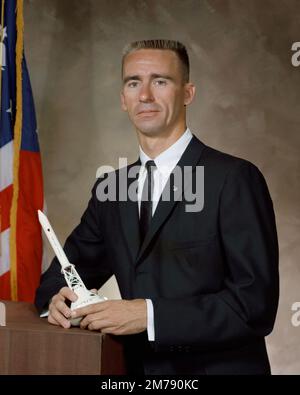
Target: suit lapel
(129,210)
(190,157)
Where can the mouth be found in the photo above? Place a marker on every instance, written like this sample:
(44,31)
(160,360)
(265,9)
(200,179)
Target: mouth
(147,112)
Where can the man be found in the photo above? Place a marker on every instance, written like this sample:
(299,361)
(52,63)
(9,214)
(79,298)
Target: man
(199,284)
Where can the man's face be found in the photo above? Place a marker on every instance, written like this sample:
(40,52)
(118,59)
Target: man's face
(154,93)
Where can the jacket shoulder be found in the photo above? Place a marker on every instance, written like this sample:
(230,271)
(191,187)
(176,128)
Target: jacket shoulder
(224,162)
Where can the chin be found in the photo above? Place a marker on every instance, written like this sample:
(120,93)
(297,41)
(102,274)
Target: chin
(148,129)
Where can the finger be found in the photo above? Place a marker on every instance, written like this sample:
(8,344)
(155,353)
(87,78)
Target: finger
(63,309)
(100,325)
(59,312)
(98,320)
(90,309)
(56,298)
(58,303)
(63,294)
(94,290)
(86,321)
(111,330)
(67,293)
(57,318)
(52,321)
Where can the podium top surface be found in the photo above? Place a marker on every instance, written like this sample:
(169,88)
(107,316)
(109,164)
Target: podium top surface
(22,315)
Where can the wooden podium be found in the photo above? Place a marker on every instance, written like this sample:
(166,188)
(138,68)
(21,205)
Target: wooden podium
(30,345)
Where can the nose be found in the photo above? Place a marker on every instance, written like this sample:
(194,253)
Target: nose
(146,95)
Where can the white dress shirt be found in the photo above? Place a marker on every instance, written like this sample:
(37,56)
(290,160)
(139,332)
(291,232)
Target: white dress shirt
(165,163)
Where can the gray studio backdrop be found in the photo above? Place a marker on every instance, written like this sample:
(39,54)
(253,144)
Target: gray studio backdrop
(247,104)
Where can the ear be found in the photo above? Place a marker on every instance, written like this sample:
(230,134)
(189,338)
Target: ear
(123,104)
(189,93)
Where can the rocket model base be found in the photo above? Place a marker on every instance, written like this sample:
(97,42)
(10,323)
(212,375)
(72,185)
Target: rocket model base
(85,298)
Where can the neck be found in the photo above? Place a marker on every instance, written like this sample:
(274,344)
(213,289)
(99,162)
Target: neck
(155,145)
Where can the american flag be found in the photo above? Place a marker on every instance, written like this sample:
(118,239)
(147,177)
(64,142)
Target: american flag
(21,181)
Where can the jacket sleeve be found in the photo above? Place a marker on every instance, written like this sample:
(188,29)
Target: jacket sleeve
(85,249)
(245,309)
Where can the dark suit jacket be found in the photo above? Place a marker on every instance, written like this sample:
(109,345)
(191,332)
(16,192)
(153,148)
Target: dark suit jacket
(212,275)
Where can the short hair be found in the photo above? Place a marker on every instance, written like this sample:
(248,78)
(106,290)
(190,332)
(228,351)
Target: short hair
(170,45)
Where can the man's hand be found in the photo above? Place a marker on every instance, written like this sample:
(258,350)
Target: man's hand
(117,317)
(59,312)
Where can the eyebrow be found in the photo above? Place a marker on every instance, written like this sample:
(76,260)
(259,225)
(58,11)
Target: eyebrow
(152,77)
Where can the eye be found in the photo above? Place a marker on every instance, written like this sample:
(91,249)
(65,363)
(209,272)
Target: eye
(160,82)
(132,84)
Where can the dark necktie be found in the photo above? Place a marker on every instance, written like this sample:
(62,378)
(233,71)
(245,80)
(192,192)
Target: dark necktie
(146,200)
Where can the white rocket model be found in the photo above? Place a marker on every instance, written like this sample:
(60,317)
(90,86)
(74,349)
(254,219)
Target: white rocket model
(85,297)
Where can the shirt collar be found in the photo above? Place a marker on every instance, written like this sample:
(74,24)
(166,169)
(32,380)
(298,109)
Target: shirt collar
(168,159)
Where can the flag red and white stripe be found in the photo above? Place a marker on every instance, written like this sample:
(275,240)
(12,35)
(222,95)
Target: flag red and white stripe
(21,181)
